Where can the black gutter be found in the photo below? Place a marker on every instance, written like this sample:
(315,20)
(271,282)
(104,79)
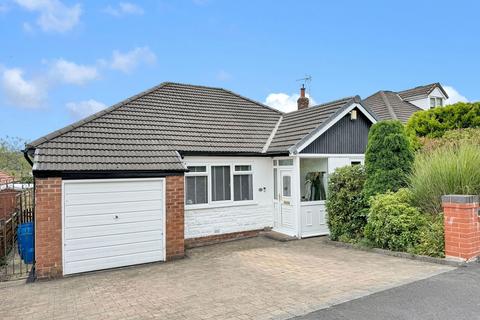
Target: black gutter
(66,175)
(25,155)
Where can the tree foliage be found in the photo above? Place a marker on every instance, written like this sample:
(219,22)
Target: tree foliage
(389,158)
(435,122)
(12,160)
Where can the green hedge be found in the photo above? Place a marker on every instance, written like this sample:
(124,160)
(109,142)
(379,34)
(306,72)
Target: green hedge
(435,122)
(393,223)
(388,159)
(346,204)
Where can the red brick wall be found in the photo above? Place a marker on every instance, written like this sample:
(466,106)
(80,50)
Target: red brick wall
(8,203)
(48,227)
(462,227)
(175,217)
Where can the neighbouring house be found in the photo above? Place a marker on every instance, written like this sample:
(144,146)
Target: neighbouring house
(183,165)
(401,105)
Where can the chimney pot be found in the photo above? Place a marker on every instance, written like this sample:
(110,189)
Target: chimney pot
(303,101)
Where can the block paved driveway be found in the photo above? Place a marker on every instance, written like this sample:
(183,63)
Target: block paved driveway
(256,278)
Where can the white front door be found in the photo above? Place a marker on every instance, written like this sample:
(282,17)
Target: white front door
(112,223)
(286,212)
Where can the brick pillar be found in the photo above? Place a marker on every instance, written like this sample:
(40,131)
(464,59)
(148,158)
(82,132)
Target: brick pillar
(175,223)
(48,227)
(462,226)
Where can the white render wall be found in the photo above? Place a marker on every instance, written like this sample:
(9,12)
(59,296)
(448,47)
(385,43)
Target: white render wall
(214,219)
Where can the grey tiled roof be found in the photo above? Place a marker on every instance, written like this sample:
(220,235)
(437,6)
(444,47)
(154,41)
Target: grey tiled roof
(420,91)
(146,131)
(388,105)
(297,124)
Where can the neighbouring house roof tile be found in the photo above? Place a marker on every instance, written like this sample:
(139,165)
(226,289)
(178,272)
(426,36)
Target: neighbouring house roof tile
(389,105)
(147,131)
(421,91)
(6,178)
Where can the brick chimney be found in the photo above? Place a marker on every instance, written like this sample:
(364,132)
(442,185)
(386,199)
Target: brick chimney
(302,102)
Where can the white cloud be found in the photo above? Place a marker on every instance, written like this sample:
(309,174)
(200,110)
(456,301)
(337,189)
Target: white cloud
(285,102)
(124,8)
(453,95)
(53,14)
(72,73)
(128,61)
(82,109)
(223,75)
(21,92)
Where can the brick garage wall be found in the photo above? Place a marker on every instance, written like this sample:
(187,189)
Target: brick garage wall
(175,204)
(48,227)
(462,226)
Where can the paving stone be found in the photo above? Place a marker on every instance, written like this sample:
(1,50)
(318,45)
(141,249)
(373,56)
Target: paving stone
(256,278)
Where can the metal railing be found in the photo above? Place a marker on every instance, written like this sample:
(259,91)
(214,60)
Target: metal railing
(16,207)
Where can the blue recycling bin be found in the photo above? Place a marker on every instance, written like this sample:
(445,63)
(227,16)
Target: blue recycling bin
(25,242)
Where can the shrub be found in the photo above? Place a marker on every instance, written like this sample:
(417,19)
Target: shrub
(345,203)
(451,138)
(447,170)
(431,238)
(388,159)
(393,223)
(435,122)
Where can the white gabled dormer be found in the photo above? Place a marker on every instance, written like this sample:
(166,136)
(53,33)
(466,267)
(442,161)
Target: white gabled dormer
(425,97)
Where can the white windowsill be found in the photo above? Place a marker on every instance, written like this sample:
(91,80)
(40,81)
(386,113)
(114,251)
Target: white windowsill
(312,203)
(221,204)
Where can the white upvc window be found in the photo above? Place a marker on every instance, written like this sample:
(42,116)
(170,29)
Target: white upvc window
(221,183)
(196,185)
(436,102)
(242,183)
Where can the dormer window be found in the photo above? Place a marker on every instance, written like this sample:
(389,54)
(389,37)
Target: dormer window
(436,102)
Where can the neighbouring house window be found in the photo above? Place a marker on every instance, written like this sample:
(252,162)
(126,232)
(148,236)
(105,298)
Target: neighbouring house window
(285,162)
(275,184)
(196,185)
(221,189)
(242,183)
(439,102)
(436,102)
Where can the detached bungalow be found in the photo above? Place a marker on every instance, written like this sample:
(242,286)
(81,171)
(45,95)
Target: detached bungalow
(181,165)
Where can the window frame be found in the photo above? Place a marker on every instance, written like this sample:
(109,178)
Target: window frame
(196,174)
(241,173)
(208,173)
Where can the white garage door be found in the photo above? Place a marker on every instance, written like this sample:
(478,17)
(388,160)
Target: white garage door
(112,223)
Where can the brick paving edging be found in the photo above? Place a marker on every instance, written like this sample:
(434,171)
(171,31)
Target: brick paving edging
(398,254)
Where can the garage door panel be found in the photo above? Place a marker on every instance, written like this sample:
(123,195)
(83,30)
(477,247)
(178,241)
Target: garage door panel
(112,223)
(111,208)
(116,186)
(113,197)
(112,262)
(113,240)
(108,219)
(111,251)
(118,228)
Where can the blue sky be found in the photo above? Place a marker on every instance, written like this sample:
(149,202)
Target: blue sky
(61,60)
